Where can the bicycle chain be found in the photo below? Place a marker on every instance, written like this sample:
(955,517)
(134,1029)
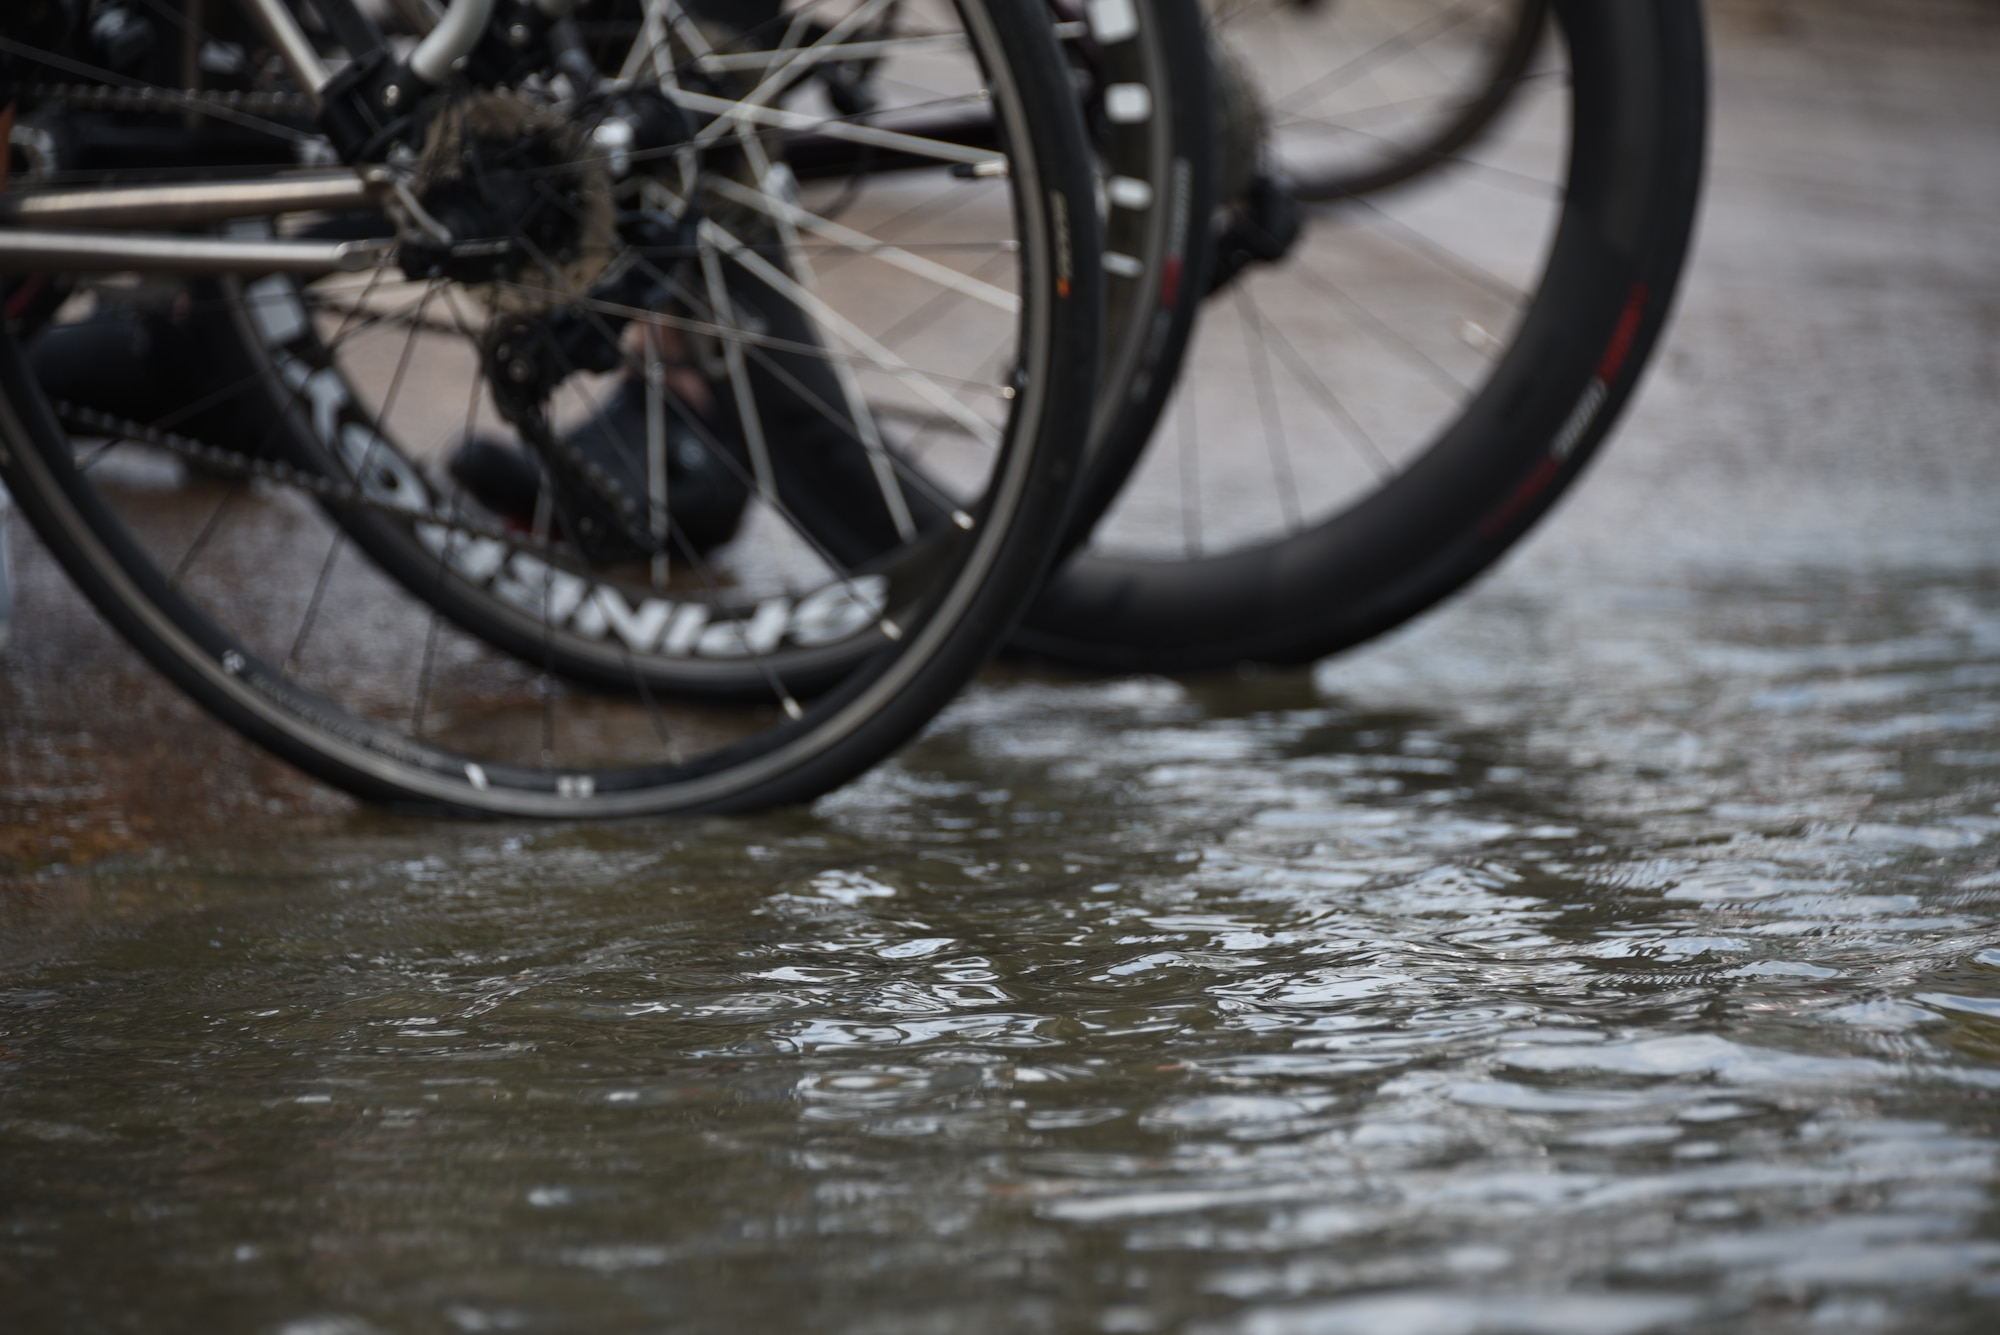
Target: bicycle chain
(149,97)
(234,463)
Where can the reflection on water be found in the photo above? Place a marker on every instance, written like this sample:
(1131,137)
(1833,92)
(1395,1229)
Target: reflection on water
(1647,981)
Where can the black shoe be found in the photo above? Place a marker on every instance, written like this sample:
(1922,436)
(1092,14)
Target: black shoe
(181,374)
(109,361)
(706,493)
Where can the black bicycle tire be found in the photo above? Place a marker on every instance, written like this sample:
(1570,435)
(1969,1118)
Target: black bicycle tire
(844,732)
(1636,171)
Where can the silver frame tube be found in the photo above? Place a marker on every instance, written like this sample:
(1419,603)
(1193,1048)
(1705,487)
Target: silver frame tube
(294,48)
(33,251)
(456,33)
(453,38)
(183,205)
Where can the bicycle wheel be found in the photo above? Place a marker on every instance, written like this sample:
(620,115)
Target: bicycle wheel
(1366,425)
(313,587)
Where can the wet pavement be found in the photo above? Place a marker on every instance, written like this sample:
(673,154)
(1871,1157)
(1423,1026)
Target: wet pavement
(1616,951)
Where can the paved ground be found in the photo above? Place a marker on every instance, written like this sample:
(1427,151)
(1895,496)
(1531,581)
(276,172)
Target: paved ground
(1826,403)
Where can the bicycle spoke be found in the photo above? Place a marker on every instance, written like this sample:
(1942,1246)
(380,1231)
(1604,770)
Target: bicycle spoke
(205,534)
(1446,258)
(1275,444)
(1363,317)
(848,332)
(860,243)
(425,674)
(1302,371)
(756,101)
(870,136)
(296,654)
(723,309)
(931,312)
(1367,60)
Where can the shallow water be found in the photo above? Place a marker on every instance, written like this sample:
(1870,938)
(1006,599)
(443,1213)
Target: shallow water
(1653,985)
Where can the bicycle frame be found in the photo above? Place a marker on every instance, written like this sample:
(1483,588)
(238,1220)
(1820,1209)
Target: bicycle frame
(50,229)
(90,230)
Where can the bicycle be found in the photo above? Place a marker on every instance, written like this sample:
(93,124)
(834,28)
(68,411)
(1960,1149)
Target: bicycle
(527,231)
(1476,212)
